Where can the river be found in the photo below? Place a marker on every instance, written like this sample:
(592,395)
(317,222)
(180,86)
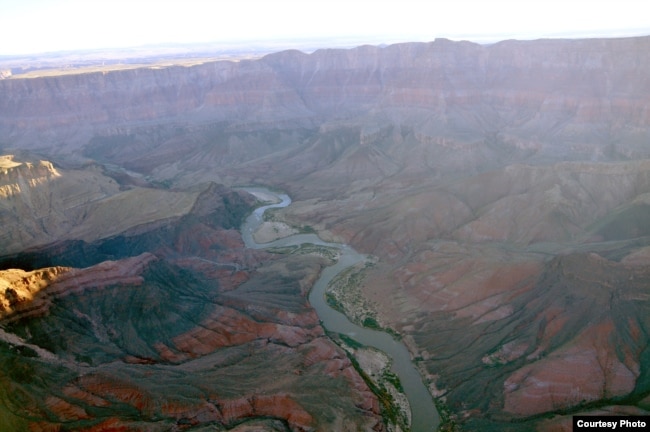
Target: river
(424,416)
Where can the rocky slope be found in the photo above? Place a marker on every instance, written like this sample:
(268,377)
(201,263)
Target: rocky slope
(217,360)
(485,260)
(41,204)
(503,188)
(227,332)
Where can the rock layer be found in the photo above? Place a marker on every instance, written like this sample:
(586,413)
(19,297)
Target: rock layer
(521,94)
(504,189)
(227,332)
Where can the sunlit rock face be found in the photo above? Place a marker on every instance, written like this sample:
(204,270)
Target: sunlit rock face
(227,332)
(42,204)
(503,188)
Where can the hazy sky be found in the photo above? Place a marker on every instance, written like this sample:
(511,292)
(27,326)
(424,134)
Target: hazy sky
(30,26)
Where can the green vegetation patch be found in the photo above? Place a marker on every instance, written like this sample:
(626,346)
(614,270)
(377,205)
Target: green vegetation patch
(273,215)
(392,378)
(344,294)
(384,384)
(307,248)
(350,342)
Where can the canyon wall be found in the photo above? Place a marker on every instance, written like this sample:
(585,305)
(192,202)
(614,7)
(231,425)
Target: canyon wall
(503,190)
(590,92)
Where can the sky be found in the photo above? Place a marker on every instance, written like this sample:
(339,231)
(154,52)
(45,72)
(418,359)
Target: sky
(36,26)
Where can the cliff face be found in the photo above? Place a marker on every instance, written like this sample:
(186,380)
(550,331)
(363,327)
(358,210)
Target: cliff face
(40,204)
(535,90)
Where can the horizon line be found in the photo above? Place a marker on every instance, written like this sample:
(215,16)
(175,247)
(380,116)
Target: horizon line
(325,42)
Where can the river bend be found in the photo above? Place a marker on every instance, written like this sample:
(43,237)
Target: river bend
(424,416)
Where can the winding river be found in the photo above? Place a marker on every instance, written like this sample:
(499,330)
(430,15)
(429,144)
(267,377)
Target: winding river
(424,416)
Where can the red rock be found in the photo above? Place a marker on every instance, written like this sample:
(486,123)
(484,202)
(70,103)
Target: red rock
(45,427)
(199,413)
(64,410)
(585,371)
(110,425)
(88,398)
(60,282)
(112,389)
(284,407)
(277,405)
(323,353)
(235,409)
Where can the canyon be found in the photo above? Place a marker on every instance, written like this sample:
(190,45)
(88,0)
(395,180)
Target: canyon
(502,190)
